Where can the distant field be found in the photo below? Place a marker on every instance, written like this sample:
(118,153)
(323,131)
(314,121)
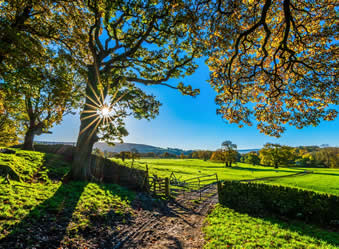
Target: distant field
(322,180)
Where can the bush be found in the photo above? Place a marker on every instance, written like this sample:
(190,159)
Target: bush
(258,198)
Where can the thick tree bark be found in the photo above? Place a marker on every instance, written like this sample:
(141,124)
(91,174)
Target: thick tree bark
(81,167)
(29,138)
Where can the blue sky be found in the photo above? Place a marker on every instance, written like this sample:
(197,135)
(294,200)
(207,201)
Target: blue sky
(191,123)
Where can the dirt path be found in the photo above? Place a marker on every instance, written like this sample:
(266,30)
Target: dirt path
(177,225)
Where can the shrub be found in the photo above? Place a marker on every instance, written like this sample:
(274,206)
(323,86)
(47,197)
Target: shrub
(258,198)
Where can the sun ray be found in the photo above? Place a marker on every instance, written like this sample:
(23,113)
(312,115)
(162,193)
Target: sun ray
(90,116)
(95,94)
(90,111)
(115,94)
(93,101)
(83,130)
(93,106)
(104,122)
(94,130)
(117,100)
(110,119)
(102,96)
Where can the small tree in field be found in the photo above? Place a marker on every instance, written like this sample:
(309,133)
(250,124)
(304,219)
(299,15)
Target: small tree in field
(252,158)
(134,155)
(276,155)
(230,153)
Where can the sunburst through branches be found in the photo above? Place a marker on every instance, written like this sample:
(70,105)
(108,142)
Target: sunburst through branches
(101,110)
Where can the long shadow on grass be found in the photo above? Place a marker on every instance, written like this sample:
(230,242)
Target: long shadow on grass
(329,236)
(320,173)
(45,226)
(267,170)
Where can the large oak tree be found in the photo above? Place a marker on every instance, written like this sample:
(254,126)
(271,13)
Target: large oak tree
(131,42)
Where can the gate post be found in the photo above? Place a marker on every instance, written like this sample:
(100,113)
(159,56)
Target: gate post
(167,187)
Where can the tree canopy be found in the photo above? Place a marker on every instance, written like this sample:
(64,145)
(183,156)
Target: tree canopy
(29,27)
(275,62)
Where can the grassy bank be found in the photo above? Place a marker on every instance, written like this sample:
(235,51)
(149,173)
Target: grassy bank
(39,208)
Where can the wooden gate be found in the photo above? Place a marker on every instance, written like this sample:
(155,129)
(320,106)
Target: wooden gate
(196,185)
(159,186)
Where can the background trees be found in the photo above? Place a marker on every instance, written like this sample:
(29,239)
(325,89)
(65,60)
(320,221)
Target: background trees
(251,158)
(11,105)
(48,89)
(277,155)
(29,30)
(274,61)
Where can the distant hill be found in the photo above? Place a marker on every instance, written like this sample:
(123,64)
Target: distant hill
(246,151)
(144,148)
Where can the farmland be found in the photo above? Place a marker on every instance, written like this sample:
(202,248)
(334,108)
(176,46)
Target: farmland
(321,180)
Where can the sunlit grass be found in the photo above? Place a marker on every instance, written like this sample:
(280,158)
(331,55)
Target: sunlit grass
(226,228)
(41,197)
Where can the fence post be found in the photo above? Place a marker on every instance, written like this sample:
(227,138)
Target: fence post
(167,187)
(199,189)
(147,182)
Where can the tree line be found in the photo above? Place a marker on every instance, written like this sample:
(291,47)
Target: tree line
(274,155)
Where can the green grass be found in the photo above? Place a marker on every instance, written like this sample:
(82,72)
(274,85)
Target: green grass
(322,180)
(188,168)
(40,199)
(226,228)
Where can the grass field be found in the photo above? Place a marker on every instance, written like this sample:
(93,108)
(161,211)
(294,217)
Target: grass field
(321,180)
(226,228)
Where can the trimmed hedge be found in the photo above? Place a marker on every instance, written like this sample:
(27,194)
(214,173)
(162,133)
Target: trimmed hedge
(258,198)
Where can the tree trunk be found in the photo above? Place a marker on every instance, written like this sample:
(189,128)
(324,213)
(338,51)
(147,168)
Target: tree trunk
(29,138)
(81,166)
